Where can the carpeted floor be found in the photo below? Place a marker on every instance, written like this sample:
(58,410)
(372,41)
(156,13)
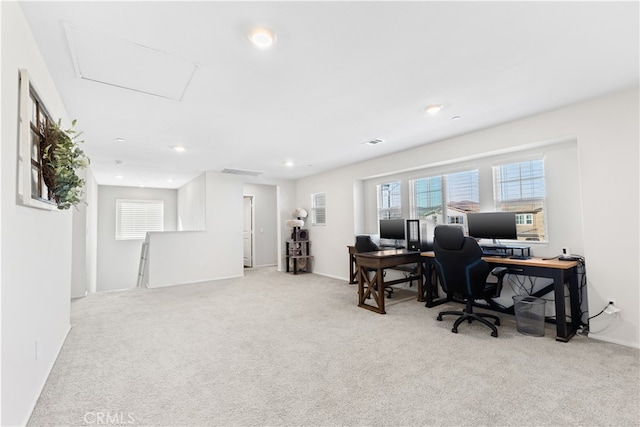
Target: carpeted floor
(276,349)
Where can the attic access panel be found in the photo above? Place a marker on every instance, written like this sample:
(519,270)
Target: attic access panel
(102,58)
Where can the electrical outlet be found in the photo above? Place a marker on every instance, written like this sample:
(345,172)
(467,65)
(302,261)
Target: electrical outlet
(611,307)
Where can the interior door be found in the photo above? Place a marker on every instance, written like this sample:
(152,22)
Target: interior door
(247,233)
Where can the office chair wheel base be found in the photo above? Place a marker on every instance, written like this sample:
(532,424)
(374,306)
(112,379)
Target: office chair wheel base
(497,323)
(494,334)
(439,318)
(454,330)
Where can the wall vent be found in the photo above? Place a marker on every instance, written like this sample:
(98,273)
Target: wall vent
(240,172)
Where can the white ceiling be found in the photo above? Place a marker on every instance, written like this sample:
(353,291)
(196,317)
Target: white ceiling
(340,74)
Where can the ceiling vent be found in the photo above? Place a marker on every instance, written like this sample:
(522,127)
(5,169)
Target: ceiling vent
(240,172)
(375,141)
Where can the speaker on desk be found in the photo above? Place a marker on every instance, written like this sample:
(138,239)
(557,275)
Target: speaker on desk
(413,234)
(302,234)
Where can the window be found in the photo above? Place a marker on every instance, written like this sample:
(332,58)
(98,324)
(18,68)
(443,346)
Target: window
(318,209)
(524,219)
(519,187)
(426,198)
(34,119)
(463,195)
(389,201)
(134,218)
(446,198)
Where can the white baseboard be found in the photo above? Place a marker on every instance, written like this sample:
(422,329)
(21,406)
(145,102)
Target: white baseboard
(331,276)
(215,279)
(33,404)
(613,340)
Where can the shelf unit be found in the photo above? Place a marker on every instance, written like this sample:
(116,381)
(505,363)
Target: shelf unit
(298,255)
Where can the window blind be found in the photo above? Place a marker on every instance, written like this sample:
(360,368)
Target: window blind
(426,197)
(134,218)
(463,194)
(519,181)
(318,209)
(389,201)
(520,188)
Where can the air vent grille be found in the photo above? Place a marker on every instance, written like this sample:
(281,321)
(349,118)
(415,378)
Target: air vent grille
(375,141)
(240,172)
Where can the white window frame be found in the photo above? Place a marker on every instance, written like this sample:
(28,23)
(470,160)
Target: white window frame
(25,179)
(318,209)
(135,218)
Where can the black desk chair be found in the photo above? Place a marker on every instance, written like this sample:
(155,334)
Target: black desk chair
(364,243)
(462,272)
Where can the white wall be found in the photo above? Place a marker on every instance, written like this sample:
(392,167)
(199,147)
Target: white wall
(119,260)
(197,256)
(36,244)
(191,204)
(83,246)
(265,209)
(216,253)
(606,131)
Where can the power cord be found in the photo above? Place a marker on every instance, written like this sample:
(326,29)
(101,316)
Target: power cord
(601,311)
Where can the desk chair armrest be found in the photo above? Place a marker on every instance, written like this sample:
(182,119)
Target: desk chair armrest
(499,272)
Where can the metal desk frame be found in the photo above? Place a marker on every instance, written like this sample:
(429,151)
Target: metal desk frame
(562,272)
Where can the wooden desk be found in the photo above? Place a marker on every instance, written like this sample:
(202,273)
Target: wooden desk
(353,274)
(378,261)
(562,272)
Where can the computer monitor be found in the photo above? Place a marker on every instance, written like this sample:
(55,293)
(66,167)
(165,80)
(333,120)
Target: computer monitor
(392,229)
(492,225)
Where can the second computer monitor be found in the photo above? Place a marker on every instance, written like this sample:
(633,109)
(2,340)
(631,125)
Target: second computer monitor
(492,225)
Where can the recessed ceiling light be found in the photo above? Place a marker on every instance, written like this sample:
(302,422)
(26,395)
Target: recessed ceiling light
(433,108)
(456,118)
(288,163)
(262,37)
(179,148)
(119,176)
(120,139)
(170,180)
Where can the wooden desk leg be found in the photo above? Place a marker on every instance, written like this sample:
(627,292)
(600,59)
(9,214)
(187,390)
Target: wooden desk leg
(361,296)
(377,295)
(352,269)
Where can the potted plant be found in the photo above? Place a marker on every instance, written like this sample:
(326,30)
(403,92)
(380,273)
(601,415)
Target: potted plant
(61,159)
